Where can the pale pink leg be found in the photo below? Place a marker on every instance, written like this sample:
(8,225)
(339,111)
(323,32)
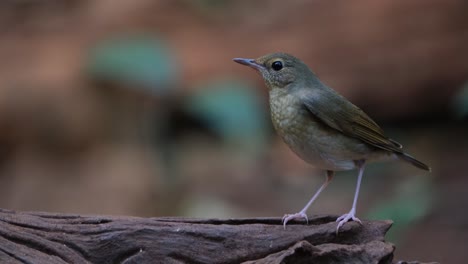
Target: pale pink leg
(302,214)
(351,215)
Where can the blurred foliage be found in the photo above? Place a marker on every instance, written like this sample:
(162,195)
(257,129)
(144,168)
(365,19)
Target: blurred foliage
(235,110)
(145,61)
(411,201)
(460,103)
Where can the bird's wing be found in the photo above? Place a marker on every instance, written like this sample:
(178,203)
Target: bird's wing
(338,113)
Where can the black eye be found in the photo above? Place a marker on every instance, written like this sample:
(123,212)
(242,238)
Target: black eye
(277,65)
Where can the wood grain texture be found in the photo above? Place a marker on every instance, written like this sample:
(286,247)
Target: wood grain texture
(33,237)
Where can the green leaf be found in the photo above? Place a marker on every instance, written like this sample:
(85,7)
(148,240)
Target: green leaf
(139,60)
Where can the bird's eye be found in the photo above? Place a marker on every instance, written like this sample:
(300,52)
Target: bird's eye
(277,65)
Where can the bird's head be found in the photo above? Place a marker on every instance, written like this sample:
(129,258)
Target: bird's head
(279,70)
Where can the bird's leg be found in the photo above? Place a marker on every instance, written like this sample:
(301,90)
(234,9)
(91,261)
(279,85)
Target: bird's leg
(351,215)
(302,214)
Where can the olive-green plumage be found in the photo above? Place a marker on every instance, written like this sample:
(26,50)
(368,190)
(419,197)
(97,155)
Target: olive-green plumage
(321,126)
(317,123)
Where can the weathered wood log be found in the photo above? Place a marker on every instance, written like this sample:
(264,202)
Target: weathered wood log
(33,237)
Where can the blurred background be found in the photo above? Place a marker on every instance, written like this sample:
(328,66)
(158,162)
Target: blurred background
(136,108)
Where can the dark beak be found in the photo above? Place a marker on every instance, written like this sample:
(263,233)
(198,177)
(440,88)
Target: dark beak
(249,62)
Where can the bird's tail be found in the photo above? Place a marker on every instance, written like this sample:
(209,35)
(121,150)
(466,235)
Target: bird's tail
(415,162)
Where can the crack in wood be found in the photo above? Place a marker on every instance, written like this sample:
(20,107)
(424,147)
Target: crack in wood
(128,256)
(14,256)
(73,246)
(316,220)
(40,245)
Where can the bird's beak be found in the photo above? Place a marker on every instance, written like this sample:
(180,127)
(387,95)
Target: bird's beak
(249,62)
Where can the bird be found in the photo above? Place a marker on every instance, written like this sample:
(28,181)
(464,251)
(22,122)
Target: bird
(321,126)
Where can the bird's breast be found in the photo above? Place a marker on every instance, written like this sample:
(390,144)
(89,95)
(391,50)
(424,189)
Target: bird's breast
(291,122)
(311,139)
(287,115)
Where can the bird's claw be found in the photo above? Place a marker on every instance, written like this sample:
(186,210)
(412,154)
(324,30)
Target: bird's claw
(287,217)
(345,218)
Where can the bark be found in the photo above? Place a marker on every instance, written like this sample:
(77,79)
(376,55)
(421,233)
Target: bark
(33,237)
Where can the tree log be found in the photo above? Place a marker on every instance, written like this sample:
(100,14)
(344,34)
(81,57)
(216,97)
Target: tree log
(34,237)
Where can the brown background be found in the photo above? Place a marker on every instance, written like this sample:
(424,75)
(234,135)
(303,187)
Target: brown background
(68,146)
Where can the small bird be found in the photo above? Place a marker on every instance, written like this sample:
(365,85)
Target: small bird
(322,127)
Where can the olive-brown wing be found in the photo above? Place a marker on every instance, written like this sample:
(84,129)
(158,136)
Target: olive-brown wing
(338,113)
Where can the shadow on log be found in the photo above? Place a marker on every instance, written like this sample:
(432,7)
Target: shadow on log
(32,237)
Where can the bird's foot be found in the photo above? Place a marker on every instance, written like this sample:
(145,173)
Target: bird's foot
(346,217)
(288,217)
